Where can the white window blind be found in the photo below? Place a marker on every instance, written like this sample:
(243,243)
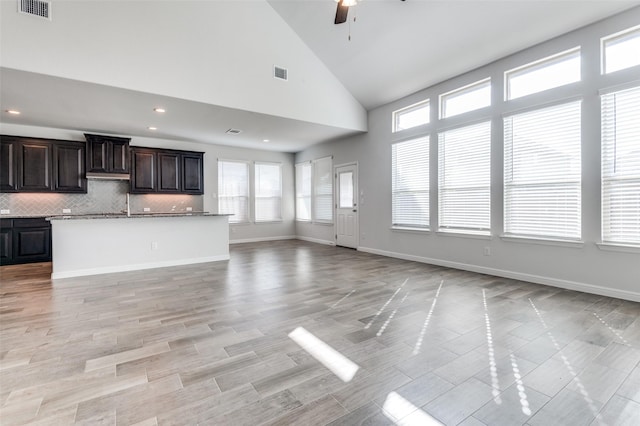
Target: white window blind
(464,178)
(410,183)
(543,173)
(268,184)
(233,190)
(621,167)
(323,190)
(303,191)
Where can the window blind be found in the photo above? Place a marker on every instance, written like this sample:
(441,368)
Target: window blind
(323,190)
(543,172)
(268,188)
(233,190)
(410,183)
(464,178)
(303,191)
(621,167)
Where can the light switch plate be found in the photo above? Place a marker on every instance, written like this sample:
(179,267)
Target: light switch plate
(147,209)
(66,210)
(5,211)
(189,209)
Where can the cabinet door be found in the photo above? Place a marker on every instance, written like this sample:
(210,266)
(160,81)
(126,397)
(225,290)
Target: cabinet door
(168,172)
(118,156)
(97,156)
(32,244)
(6,246)
(143,173)
(8,154)
(34,166)
(192,173)
(68,167)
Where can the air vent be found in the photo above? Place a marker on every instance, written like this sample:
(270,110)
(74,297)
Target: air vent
(233,131)
(38,8)
(280,73)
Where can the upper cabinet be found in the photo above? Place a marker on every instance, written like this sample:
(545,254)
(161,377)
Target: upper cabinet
(107,155)
(166,171)
(42,165)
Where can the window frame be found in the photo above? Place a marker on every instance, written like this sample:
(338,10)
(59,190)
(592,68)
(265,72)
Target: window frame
(314,191)
(461,91)
(256,186)
(304,164)
(538,65)
(248,196)
(612,38)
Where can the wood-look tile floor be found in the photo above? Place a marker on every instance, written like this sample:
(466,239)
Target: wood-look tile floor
(209,344)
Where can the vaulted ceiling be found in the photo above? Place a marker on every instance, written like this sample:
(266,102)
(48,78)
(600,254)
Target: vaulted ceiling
(102,66)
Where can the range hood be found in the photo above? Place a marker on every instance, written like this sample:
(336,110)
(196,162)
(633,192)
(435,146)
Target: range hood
(108,176)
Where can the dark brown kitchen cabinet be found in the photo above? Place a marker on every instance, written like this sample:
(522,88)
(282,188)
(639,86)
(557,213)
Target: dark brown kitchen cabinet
(68,166)
(165,171)
(192,173)
(144,175)
(42,165)
(8,171)
(25,240)
(168,172)
(34,166)
(107,154)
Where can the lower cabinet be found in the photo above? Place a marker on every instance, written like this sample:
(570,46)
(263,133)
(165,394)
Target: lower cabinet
(25,240)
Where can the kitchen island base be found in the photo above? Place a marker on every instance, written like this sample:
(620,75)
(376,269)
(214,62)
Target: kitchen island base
(99,245)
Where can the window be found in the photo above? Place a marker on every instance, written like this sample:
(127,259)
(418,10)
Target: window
(411,116)
(323,190)
(547,73)
(233,190)
(543,172)
(464,178)
(410,183)
(621,50)
(621,167)
(303,191)
(268,181)
(465,99)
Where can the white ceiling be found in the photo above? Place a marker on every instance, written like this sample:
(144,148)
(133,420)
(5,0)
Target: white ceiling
(101,66)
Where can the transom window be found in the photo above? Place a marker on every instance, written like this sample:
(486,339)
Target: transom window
(547,73)
(465,99)
(411,116)
(621,50)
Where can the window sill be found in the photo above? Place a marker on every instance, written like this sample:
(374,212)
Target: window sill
(542,241)
(618,247)
(410,230)
(267,222)
(478,235)
(323,223)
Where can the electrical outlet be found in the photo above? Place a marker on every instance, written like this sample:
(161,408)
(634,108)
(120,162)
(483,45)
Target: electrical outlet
(146,209)
(66,210)
(189,209)
(487,251)
(5,211)
(154,245)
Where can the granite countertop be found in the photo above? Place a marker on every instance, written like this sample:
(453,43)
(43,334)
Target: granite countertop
(132,216)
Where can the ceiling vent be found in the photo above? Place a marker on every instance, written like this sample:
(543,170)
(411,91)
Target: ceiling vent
(233,131)
(280,73)
(37,8)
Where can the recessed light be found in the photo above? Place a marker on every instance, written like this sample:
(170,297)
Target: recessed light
(160,110)
(265,140)
(152,128)
(13,111)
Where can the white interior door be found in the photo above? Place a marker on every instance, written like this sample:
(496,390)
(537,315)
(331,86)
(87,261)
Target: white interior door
(347,206)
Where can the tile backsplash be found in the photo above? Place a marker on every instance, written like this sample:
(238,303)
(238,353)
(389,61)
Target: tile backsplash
(103,196)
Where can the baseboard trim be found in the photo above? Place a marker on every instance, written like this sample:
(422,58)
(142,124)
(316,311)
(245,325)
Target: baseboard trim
(136,267)
(316,240)
(258,240)
(538,279)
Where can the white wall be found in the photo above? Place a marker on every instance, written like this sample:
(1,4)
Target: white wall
(585,267)
(250,231)
(215,52)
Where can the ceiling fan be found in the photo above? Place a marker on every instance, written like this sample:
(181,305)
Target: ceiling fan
(343,10)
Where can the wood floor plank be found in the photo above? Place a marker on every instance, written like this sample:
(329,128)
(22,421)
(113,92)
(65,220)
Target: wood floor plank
(209,344)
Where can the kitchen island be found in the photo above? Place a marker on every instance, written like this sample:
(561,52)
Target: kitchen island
(105,243)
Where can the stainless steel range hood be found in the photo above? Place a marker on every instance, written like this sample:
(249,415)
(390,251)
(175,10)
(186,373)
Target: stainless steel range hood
(108,176)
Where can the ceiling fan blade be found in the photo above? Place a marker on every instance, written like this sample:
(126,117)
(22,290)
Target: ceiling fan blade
(341,13)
